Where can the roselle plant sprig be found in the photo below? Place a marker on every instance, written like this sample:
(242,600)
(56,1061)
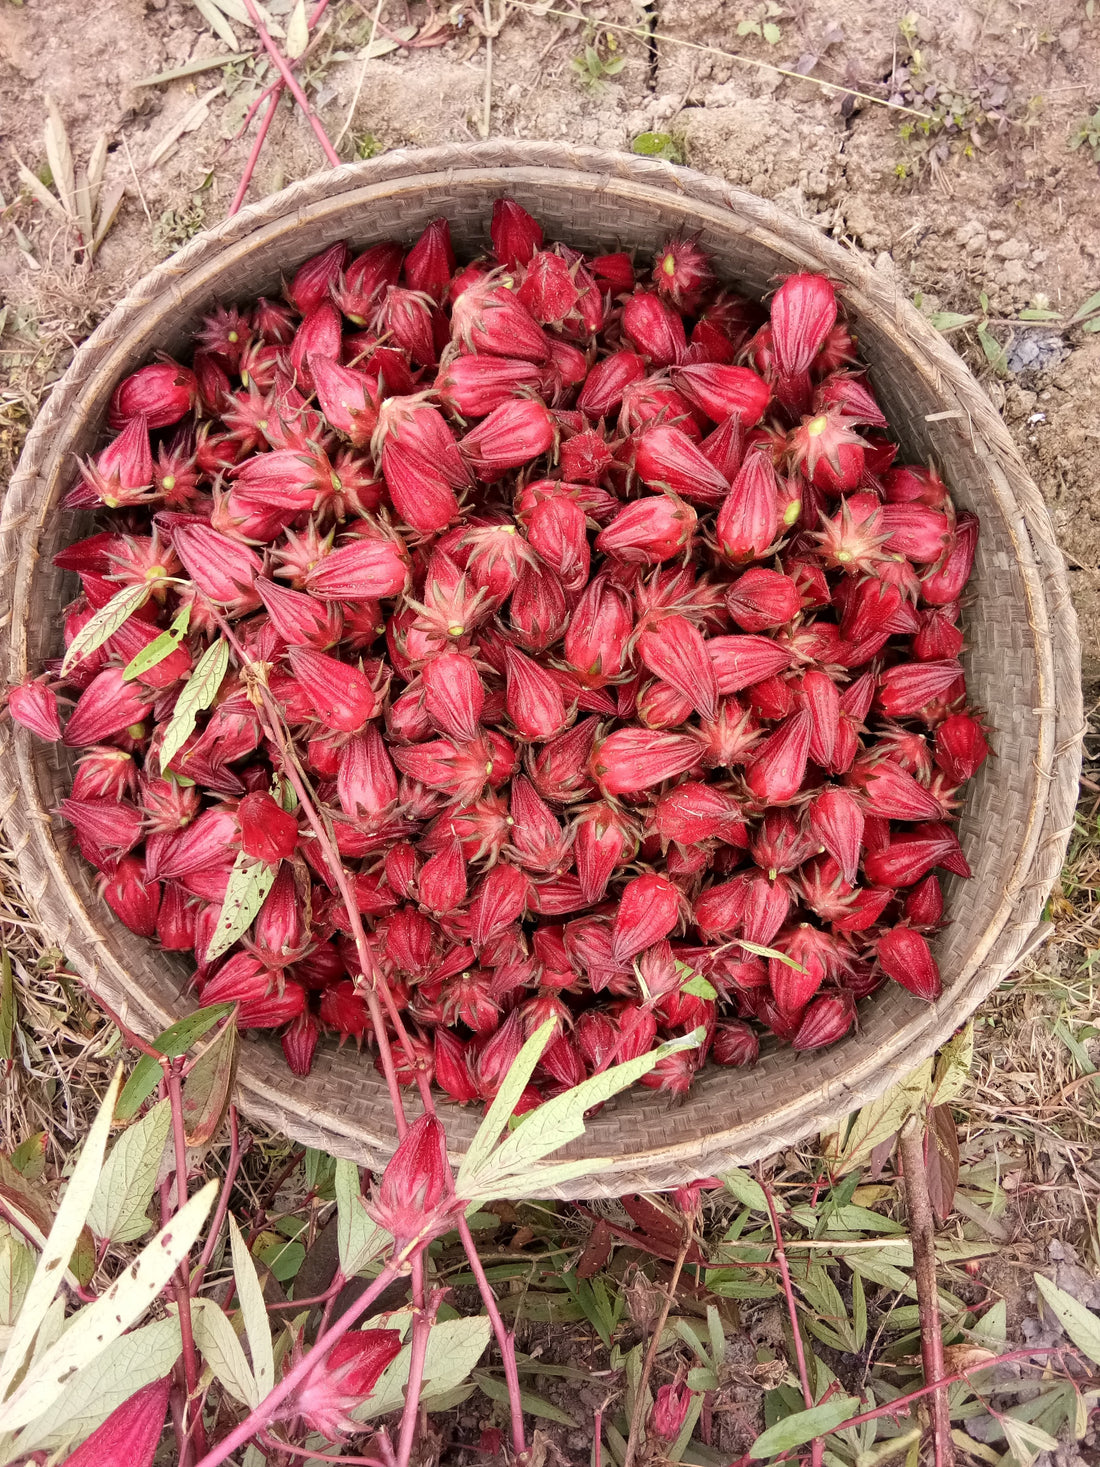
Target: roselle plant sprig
(539,638)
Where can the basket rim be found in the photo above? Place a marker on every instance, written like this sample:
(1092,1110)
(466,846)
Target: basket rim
(1052,621)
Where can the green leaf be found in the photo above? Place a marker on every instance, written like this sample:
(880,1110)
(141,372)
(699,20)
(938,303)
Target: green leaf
(206,1089)
(508,1171)
(496,1390)
(769,952)
(953,1067)
(284,1258)
(319,1169)
(7,1009)
(1082,1326)
(217,1341)
(1092,325)
(950,320)
(297,31)
(879,1120)
(198,693)
(1034,313)
(216,21)
(454,1348)
(29,1157)
(97,1325)
(772,34)
(358,1237)
(176,1040)
(698,987)
(189,68)
(58,1249)
(253,1310)
(121,1202)
(995,353)
(804,1426)
(161,647)
(1086,308)
(1025,1439)
(747,1190)
(105,623)
(653,144)
(249,883)
(504,1103)
(124,1366)
(16,1272)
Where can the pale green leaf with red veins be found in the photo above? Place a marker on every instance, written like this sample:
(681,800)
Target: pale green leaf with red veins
(207,1087)
(877,1121)
(217,1342)
(359,1238)
(454,1347)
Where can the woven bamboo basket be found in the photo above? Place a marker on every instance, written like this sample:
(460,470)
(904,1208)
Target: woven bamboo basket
(1022,666)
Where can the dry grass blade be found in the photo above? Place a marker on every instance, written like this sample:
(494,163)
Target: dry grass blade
(97,164)
(194,117)
(217,22)
(108,208)
(40,191)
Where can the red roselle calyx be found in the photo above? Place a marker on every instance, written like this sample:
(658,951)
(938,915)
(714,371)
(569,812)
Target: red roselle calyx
(609,637)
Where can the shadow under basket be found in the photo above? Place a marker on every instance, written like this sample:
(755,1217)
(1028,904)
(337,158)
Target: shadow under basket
(1022,664)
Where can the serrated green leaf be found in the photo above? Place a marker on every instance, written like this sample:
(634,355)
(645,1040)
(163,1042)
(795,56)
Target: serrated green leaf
(29,1157)
(454,1348)
(772,34)
(358,1237)
(652,144)
(1082,1326)
(698,987)
(125,1366)
(253,1310)
(67,1226)
(177,1039)
(121,1202)
(105,623)
(748,1191)
(953,1067)
(161,647)
(950,320)
(198,693)
(98,1324)
(217,1341)
(803,1426)
(250,881)
(875,1122)
(553,1125)
(297,31)
(206,1090)
(536,1405)
(7,1009)
(16,1272)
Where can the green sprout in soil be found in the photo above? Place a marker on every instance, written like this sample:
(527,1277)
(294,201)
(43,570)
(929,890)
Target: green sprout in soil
(1088,135)
(598,62)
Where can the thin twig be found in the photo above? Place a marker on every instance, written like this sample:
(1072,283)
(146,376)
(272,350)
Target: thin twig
(923,1232)
(654,1345)
(506,1342)
(280,63)
(652,36)
(362,72)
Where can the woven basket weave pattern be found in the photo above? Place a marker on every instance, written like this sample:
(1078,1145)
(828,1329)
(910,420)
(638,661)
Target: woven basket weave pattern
(1022,663)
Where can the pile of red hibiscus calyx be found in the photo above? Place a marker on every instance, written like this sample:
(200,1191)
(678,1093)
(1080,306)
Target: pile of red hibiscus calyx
(619,659)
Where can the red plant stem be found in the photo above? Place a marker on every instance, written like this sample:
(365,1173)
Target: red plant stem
(654,1345)
(231,1168)
(788,1290)
(257,148)
(134,1040)
(280,63)
(259,1418)
(922,1230)
(276,1445)
(506,1343)
(423,1319)
(278,86)
(894,1407)
(182,1286)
